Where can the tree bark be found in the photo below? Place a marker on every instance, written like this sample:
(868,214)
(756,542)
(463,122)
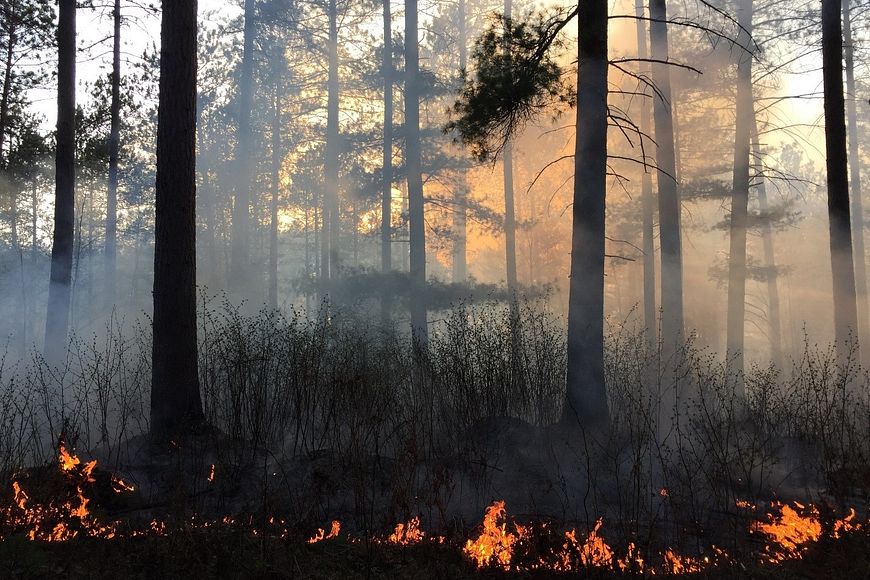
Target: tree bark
(387,185)
(586,396)
(740,197)
(855,178)
(114,149)
(417,226)
(175,399)
(240,279)
(57,315)
(773,307)
(669,200)
(842,264)
(649,264)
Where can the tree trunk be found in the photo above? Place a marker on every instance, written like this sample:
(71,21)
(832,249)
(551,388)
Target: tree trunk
(773,308)
(387,185)
(669,200)
(7,87)
(175,400)
(855,178)
(842,264)
(57,315)
(649,263)
(740,197)
(277,156)
(114,148)
(417,231)
(331,213)
(240,278)
(510,223)
(586,396)
(460,206)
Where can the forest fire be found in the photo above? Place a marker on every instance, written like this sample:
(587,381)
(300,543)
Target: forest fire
(502,543)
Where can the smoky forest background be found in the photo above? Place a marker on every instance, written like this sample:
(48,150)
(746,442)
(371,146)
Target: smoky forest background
(314,260)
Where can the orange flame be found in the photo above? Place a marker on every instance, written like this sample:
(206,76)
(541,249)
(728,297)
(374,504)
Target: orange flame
(322,535)
(211,474)
(676,564)
(495,544)
(790,532)
(407,533)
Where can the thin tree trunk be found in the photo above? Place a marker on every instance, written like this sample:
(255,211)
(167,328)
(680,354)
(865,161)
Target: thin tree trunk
(240,278)
(331,214)
(740,197)
(510,223)
(460,209)
(842,263)
(58,311)
(855,178)
(669,200)
(114,149)
(277,156)
(773,306)
(586,397)
(176,405)
(387,185)
(417,231)
(7,85)
(649,264)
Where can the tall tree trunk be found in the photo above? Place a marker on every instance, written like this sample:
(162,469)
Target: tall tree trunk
(586,396)
(175,400)
(387,185)
(240,279)
(114,148)
(740,196)
(331,213)
(669,200)
(460,194)
(207,202)
(773,307)
(649,263)
(7,86)
(510,223)
(57,315)
(277,157)
(855,178)
(842,264)
(416,224)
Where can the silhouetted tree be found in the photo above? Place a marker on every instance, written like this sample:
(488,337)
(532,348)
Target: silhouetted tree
(175,398)
(57,315)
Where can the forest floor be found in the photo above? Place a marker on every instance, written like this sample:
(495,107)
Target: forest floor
(227,553)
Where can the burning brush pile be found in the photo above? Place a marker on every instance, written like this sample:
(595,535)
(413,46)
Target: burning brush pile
(71,501)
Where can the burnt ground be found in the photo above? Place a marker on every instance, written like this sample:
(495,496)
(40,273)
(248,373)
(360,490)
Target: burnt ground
(234,553)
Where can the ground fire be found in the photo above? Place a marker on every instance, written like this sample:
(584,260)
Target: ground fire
(501,542)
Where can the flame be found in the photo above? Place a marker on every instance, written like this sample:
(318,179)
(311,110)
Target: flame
(633,562)
(322,535)
(67,461)
(593,552)
(846,525)
(407,533)
(676,564)
(120,486)
(211,474)
(790,532)
(494,544)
